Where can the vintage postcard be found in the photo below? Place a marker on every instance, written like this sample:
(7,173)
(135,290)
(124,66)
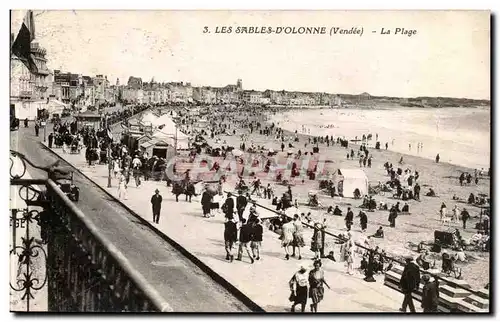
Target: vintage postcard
(250,161)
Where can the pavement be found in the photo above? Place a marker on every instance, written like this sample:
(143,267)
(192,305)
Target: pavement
(182,284)
(266,281)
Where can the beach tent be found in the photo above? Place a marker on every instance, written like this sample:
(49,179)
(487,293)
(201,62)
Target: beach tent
(182,139)
(56,107)
(165,120)
(148,118)
(347,180)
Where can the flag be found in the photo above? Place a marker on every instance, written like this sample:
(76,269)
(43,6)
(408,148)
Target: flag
(22,45)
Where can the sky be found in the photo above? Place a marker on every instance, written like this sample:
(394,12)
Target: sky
(449,55)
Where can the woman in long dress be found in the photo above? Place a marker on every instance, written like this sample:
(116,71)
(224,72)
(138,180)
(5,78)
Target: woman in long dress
(299,284)
(349,254)
(316,241)
(116,166)
(287,236)
(316,281)
(442,212)
(298,237)
(122,186)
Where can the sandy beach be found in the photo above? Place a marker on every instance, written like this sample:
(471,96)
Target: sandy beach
(414,228)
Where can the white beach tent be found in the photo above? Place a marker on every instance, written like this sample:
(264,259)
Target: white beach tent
(169,137)
(350,179)
(149,118)
(56,107)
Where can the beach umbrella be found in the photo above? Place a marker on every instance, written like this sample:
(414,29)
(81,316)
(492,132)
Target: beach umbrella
(271,150)
(290,151)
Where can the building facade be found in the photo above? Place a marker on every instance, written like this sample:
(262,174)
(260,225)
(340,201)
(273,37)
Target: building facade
(27,85)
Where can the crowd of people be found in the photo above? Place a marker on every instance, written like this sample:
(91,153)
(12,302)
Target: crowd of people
(245,235)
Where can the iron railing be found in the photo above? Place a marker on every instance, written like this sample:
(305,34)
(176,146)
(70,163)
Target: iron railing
(83,270)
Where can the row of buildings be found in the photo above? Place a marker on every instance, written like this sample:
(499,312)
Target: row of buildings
(138,91)
(70,89)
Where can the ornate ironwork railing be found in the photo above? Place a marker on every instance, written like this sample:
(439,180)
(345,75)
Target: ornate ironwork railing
(83,270)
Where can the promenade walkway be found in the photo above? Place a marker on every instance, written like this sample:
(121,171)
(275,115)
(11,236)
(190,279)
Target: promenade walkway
(266,281)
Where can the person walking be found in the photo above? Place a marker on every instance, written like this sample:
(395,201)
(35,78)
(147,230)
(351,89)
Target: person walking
(26,122)
(287,231)
(256,238)
(206,203)
(116,166)
(430,294)
(228,207)
(156,200)
(410,280)
(122,186)
(298,236)
(349,217)
(37,128)
(241,204)
(464,216)
(230,237)
(136,170)
(455,214)
(349,254)
(299,284)
(51,139)
(245,238)
(316,240)
(416,191)
(316,281)
(363,220)
(253,215)
(393,214)
(442,212)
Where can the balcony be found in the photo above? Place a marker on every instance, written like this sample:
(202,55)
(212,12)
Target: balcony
(78,268)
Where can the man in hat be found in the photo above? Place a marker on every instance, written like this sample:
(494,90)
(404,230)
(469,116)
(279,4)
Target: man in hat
(363,220)
(156,200)
(465,216)
(228,206)
(349,218)
(206,203)
(241,204)
(256,238)
(430,294)
(253,215)
(230,237)
(410,280)
(136,170)
(245,238)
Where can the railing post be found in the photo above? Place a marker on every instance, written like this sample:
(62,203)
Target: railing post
(323,235)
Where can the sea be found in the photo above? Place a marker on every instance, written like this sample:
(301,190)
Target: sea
(461,136)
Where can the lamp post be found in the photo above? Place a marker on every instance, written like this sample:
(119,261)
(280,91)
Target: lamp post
(44,130)
(110,166)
